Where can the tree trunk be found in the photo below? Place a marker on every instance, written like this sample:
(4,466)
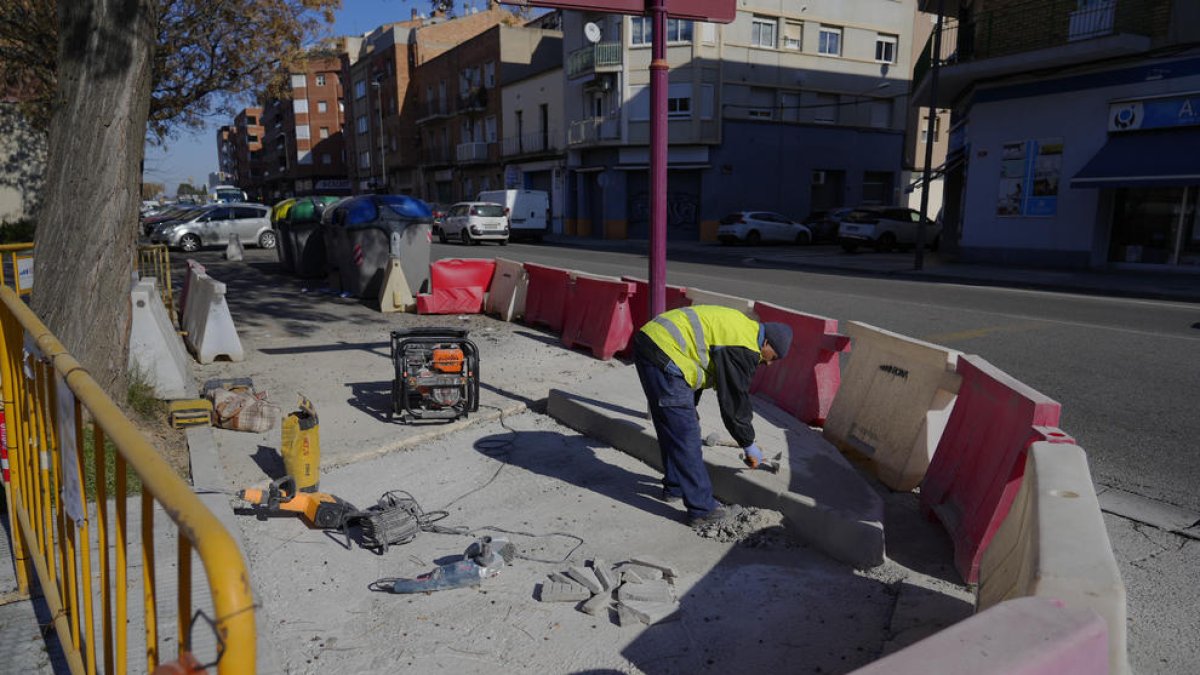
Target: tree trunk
(87,226)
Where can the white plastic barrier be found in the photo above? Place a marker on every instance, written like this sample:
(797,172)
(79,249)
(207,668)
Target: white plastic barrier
(895,397)
(210,330)
(506,294)
(155,349)
(1027,636)
(702,297)
(396,296)
(1053,544)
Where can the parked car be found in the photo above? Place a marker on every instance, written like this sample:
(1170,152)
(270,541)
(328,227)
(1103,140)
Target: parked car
(167,214)
(885,228)
(754,227)
(824,224)
(528,211)
(214,225)
(474,222)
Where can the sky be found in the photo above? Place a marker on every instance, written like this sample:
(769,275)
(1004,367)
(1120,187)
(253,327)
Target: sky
(191,157)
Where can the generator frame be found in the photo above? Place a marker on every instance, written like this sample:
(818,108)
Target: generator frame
(430,337)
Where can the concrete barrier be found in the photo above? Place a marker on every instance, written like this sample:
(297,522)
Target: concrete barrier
(194,269)
(697,296)
(506,296)
(210,330)
(155,349)
(980,459)
(395,296)
(1053,544)
(806,381)
(893,403)
(1027,636)
(598,315)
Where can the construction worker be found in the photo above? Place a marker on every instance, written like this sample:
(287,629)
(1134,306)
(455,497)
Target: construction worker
(680,353)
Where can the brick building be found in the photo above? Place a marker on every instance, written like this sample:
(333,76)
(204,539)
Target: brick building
(247,140)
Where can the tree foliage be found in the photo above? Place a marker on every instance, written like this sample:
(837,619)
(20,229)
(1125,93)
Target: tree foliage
(209,54)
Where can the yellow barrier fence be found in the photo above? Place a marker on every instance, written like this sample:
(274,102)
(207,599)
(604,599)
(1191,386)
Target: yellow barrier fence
(72,522)
(16,267)
(154,260)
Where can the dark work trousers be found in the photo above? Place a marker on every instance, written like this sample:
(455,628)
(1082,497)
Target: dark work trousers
(673,409)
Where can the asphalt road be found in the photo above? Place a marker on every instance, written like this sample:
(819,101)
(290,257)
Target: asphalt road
(1126,372)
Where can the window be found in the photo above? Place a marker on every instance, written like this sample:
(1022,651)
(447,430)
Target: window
(360,89)
(490,123)
(251,138)
(825,109)
(937,127)
(789,107)
(304,157)
(442,97)
(300,106)
(793,34)
(881,114)
(831,41)
(707,94)
(641,30)
(364,159)
(876,187)
(323,132)
(299,81)
(322,106)
(762,32)
(321,79)
(639,103)
(251,120)
(489,74)
(885,48)
(302,132)
(679,100)
(361,124)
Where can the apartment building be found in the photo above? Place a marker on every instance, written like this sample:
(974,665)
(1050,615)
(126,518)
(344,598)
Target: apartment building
(227,153)
(247,141)
(1074,131)
(791,108)
(303,151)
(382,140)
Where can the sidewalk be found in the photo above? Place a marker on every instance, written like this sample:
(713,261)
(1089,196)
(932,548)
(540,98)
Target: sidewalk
(829,258)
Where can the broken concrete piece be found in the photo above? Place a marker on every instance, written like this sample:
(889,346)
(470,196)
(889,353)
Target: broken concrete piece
(646,573)
(631,577)
(597,603)
(586,577)
(650,591)
(604,573)
(667,570)
(560,578)
(554,591)
(650,613)
(625,616)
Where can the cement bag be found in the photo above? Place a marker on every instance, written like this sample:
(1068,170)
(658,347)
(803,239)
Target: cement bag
(243,410)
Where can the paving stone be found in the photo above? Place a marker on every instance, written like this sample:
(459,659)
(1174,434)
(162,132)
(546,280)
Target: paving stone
(597,603)
(604,572)
(651,591)
(651,613)
(585,577)
(626,617)
(631,577)
(646,573)
(560,578)
(667,570)
(554,591)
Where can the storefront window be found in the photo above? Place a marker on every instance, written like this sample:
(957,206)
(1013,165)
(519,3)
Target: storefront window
(1156,226)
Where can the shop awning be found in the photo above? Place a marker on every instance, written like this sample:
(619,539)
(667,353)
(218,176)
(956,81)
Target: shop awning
(1161,159)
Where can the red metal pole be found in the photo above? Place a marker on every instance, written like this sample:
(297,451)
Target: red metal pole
(657,9)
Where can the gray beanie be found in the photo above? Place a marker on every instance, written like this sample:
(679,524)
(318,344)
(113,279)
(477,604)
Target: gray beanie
(779,335)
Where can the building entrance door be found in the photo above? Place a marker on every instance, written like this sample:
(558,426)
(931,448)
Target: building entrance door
(1156,226)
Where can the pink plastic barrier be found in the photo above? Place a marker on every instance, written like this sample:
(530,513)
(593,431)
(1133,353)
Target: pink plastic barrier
(467,300)
(805,382)
(639,305)
(980,460)
(461,273)
(546,297)
(193,268)
(598,316)
(1027,636)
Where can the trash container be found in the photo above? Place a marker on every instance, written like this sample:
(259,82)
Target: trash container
(304,237)
(368,230)
(283,248)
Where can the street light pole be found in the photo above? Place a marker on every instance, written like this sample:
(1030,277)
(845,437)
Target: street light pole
(930,126)
(378,86)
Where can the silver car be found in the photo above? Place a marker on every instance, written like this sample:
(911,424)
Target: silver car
(215,225)
(474,222)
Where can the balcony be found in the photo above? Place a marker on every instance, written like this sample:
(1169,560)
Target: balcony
(593,130)
(604,57)
(536,143)
(1036,35)
(469,153)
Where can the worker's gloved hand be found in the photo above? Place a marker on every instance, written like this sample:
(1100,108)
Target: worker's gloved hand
(752,455)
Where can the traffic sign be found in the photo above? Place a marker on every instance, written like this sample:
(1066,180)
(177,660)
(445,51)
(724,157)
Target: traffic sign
(716,11)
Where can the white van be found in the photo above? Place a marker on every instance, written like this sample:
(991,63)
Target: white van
(227,193)
(528,211)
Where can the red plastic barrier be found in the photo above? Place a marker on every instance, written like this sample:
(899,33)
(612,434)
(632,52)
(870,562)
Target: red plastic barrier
(639,305)
(980,460)
(462,273)
(598,316)
(546,297)
(467,300)
(187,281)
(805,382)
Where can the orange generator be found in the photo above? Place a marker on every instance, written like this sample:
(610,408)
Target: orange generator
(437,374)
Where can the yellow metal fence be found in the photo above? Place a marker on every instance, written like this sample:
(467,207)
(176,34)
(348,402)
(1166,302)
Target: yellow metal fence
(72,522)
(16,267)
